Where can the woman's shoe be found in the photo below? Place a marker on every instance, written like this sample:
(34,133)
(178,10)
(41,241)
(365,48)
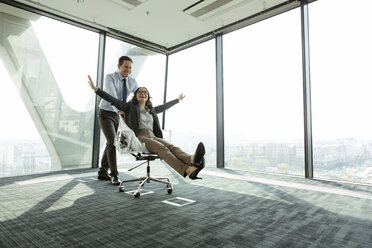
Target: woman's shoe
(199,154)
(194,174)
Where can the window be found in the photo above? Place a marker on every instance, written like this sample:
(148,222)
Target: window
(263,96)
(341,89)
(148,69)
(192,72)
(47,103)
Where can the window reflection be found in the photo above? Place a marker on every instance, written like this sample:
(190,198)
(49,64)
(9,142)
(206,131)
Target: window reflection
(57,134)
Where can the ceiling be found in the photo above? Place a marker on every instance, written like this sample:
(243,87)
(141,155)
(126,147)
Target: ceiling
(163,24)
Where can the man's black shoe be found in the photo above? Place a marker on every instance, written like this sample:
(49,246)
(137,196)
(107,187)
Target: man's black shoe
(115,181)
(104,176)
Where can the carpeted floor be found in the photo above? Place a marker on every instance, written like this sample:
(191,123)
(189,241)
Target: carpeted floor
(226,209)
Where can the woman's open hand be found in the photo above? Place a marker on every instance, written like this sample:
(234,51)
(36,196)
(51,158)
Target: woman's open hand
(181,96)
(91,84)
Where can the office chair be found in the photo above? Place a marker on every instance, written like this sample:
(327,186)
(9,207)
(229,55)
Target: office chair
(127,142)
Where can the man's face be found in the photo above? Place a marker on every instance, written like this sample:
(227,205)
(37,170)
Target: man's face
(126,68)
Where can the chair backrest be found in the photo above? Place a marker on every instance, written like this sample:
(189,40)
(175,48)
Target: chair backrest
(126,141)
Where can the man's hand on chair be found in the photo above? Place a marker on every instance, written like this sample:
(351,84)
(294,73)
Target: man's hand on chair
(121,113)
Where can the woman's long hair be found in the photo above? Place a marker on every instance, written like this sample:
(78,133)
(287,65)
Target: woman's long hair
(148,104)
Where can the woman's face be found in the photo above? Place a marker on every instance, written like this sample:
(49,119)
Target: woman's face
(142,95)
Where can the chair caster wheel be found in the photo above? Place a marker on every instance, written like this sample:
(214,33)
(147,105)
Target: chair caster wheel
(170,189)
(137,194)
(121,189)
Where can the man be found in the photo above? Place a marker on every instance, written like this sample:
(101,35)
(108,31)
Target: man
(120,85)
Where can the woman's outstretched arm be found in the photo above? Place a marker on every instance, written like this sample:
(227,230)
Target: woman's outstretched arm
(114,101)
(167,105)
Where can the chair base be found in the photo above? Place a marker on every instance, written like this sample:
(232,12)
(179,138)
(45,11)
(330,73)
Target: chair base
(146,179)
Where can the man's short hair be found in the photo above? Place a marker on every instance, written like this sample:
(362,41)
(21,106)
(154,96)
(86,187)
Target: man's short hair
(123,58)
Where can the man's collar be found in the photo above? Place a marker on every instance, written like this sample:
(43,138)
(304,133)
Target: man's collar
(121,77)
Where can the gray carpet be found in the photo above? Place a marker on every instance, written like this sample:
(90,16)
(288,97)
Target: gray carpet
(226,209)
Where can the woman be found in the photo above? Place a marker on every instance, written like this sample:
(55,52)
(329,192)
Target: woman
(142,119)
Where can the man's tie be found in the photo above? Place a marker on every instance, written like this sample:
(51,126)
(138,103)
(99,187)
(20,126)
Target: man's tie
(125,90)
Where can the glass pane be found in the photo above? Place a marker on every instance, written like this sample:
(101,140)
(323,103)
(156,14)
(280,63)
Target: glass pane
(148,69)
(263,96)
(44,64)
(341,89)
(193,72)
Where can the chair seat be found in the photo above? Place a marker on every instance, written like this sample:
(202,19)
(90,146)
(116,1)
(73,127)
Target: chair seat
(145,156)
